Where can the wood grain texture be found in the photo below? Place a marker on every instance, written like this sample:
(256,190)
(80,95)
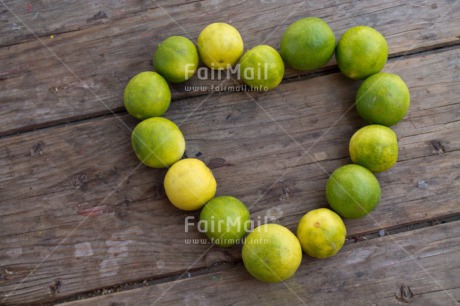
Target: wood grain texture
(100,59)
(418,267)
(78,209)
(47,18)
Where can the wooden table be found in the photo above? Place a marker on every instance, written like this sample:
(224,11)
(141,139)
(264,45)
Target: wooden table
(82,220)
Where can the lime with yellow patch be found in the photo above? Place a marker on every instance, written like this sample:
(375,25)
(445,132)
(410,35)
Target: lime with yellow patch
(383,98)
(321,233)
(220,46)
(158,142)
(271,253)
(225,220)
(147,95)
(189,184)
(361,52)
(176,59)
(374,147)
(262,68)
(307,44)
(352,191)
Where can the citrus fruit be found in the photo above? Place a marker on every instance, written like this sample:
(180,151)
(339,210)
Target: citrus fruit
(374,147)
(321,233)
(225,220)
(176,59)
(189,184)
(147,95)
(220,45)
(262,67)
(271,253)
(158,142)
(353,191)
(307,44)
(361,52)
(383,98)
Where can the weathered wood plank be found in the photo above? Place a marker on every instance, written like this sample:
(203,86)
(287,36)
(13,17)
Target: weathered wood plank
(56,17)
(424,264)
(41,91)
(75,203)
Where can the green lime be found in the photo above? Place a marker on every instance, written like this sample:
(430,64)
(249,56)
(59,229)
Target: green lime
(147,95)
(307,44)
(158,142)
(362,51)
(220,45)
(262,67)
(271,253)
(321,233)
(374,147)
(176,59)
(225,220)
(383,98)
(353,191)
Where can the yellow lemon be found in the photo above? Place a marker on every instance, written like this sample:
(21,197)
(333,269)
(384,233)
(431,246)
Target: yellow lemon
(189,184)
(220,45)
(321,233)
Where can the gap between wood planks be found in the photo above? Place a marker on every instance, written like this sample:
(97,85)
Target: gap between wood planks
(225,265)
(308,75)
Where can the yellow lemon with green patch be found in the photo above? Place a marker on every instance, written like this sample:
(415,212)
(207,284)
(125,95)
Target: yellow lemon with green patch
(352,191)
(147,95)
(361,52)
(271,253)
(220,46)
(225,220)
(176,59)
(374,147)
(158,142)
(383,98)
(321,233)
(189,184)
(307,44)
(262,68)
